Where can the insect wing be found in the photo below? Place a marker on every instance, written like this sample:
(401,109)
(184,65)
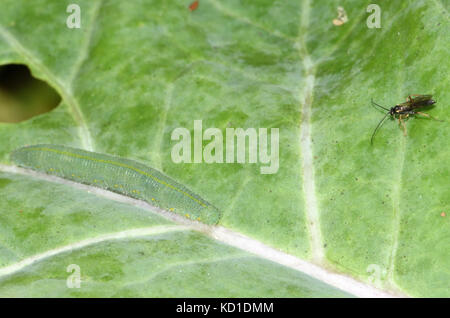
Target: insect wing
(420,101)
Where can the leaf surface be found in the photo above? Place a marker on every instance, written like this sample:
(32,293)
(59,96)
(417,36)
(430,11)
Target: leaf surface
(135,71)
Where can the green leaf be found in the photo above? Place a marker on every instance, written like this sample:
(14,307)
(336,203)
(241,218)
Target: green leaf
(123,251)
(136,71)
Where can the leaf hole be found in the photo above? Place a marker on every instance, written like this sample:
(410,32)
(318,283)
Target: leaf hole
(23,96)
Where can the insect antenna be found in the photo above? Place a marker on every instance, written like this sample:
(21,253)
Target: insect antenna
(378,126)
(373,103)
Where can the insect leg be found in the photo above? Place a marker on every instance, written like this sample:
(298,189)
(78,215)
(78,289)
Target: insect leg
(423,114)
(408,99)
(426,115)
(400,120)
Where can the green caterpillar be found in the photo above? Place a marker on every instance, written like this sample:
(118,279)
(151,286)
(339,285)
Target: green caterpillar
(120,175)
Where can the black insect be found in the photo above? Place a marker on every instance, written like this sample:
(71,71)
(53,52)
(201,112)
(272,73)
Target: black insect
(401,111)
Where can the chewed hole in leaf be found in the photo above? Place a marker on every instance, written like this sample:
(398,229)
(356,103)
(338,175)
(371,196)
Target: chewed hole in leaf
(23,96)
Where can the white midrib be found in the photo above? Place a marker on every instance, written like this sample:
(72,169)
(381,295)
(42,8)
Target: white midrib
(396,195)
(307,166)
(396,198)
(233,238)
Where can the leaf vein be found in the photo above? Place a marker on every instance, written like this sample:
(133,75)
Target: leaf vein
(64,90)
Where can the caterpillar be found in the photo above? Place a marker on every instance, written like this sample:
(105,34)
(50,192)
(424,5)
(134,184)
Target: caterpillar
(120,175)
